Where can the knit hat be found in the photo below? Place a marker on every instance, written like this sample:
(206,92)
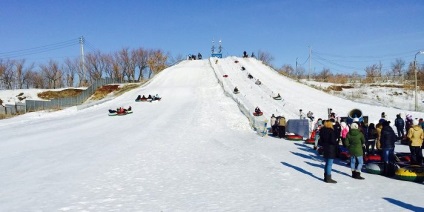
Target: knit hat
(415,122)
(354,126)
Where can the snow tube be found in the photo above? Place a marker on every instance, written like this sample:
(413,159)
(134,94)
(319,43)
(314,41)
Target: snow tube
(343,153)
(294,137)
(225,75)
(258,114)
(310,141)
(141,100)
(236,61)
(410,173)
(112,114)
(374,167)
(372,158)
(236,92)
(277,98)
(404,156)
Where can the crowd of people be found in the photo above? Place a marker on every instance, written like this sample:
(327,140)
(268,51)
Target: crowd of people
(362,139)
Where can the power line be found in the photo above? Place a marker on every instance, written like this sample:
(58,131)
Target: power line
(40,49)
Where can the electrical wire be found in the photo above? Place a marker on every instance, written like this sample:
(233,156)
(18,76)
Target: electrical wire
(40,49)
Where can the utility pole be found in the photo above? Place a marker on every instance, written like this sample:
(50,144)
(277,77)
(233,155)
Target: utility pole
(310,57)
(416,81)
(296,64)
(81,41)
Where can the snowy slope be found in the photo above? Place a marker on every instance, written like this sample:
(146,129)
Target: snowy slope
(192,151)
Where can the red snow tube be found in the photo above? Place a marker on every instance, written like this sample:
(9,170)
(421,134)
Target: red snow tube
(310,141)
(258,114)
(294,137)
(372,158)
(404,156)
(344,155)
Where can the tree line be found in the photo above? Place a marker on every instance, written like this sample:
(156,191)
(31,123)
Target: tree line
(398,72)
(133,65)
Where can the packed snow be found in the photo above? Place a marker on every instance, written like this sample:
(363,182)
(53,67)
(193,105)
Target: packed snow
(194,150)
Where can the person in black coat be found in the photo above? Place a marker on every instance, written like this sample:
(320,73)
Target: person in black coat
(400,124)
(329,142)
(387,142)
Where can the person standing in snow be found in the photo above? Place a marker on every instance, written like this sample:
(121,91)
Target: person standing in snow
(317,127)
(282,127)
(408,122)
(343,133)
(400,125)
(355,140)
(378,127)
(416,136)
(273,119)
(337,129)
(387,142)
(329,143)
(371,138)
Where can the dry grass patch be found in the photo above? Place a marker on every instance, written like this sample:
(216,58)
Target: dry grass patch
(71,92)
(104,91)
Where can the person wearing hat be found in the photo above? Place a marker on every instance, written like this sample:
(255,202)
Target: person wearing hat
(416,136)
(387,142)
(355,140)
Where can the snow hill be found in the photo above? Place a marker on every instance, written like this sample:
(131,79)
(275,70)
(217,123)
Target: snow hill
(194,150)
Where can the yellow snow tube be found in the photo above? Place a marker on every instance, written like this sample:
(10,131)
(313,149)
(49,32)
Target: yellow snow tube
(410,173)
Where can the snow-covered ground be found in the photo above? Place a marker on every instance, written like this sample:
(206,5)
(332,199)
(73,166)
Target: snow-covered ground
(192,151)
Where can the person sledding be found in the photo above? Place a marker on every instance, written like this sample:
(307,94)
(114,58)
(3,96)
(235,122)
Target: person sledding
(236,90)
(278,97)
(257,112)
(258,82)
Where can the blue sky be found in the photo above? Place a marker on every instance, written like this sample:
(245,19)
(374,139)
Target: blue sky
(345,36)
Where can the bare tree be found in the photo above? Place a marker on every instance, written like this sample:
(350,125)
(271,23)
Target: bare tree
(141,58)
(372,73)
(157,61)
(70,70)
(287,70)
(325,74)
(397,67)
(7,73)
(52,74)
(96,65)
(265,57)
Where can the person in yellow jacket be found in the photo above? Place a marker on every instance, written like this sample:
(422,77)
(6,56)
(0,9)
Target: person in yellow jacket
(416,136)
(282,127)
(378,127)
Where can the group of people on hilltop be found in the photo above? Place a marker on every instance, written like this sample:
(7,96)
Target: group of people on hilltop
(193,56)
(278,126)
(361,139)
(245,55)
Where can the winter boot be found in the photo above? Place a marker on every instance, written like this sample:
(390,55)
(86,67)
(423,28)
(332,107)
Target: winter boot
(329,180)
(357,175)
